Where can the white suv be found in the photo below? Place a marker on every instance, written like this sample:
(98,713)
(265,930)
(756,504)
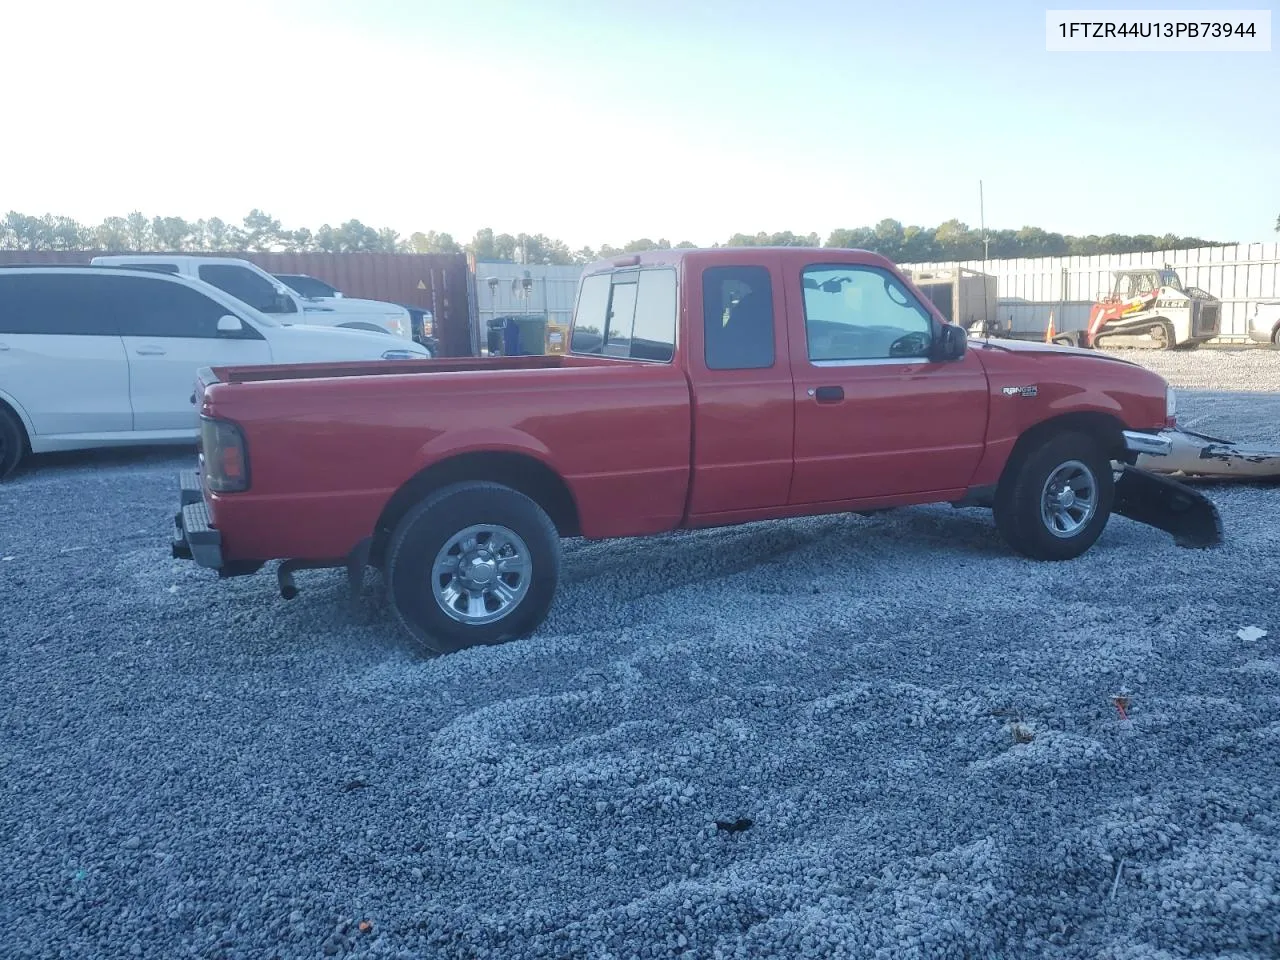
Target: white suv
(247,281)
(101,357)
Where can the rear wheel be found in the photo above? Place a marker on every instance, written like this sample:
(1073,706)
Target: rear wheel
(13,442)
(1275,336)
(472,564)
(1054,500)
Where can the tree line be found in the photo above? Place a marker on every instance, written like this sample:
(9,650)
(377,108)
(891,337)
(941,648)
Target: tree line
(261,233)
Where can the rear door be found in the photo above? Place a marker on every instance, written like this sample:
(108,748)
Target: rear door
(61,355)
(874,416)
(742,396)
(170,331)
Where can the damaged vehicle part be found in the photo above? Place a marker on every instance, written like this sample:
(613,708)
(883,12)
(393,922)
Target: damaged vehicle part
(1197,455)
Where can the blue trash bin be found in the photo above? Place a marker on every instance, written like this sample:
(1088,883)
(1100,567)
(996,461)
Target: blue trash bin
(511,338)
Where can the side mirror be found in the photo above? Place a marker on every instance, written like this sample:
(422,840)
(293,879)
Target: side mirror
(230,325)
(951,343)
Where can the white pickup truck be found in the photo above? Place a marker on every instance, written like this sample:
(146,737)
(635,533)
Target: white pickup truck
(248,282)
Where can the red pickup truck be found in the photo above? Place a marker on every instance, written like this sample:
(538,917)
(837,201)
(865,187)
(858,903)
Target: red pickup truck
(701,388)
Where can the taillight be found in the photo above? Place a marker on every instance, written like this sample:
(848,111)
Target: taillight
(226,461)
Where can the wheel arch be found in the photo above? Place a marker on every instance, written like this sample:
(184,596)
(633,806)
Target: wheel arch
(519,471)
(1106,428)
(11,405)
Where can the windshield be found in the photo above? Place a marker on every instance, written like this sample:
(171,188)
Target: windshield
(306,286)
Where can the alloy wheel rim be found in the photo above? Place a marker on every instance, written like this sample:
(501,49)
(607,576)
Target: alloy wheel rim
(481,574)
(1069,499)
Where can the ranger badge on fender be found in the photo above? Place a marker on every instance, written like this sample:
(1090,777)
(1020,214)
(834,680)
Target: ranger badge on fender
(1030,391)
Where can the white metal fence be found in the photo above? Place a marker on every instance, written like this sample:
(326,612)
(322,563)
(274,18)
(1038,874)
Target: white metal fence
(1028,289)
(513,288)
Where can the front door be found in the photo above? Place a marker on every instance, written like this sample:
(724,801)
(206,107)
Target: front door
(874,416)
(170,331)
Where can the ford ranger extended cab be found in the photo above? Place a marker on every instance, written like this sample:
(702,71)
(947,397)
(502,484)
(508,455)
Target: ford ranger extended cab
(701,388)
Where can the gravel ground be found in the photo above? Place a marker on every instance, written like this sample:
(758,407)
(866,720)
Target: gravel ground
(918,725)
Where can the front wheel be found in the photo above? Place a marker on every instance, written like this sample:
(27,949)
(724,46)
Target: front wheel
(472,564)
(1054,500)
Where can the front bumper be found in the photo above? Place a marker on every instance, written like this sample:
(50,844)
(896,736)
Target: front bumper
(194,537)
(1197,455)
(1151,444)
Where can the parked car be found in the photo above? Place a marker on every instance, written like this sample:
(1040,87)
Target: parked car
(702,388)
(102,357)
(1264,322)
(420,320)
(248,282)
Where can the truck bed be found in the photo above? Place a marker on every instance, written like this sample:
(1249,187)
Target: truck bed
(380,368)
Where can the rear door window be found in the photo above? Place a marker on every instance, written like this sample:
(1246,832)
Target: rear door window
(54,303)
(147,307)
(245,285)
(629,314)
(737,318)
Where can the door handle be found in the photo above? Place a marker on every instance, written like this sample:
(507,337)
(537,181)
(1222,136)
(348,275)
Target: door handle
(149,352)
(827,394)
(4,346)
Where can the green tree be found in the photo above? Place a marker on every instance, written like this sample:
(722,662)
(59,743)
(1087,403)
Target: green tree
(112,235)
(482,245)
(218,236)
(504,247)
(172,234)
(300,240)
(262,232)
(353,236)
(138,229)
(65,233)
(27,232)
(432,242)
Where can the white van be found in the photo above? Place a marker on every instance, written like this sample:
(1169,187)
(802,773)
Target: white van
(101,357)
(247,281)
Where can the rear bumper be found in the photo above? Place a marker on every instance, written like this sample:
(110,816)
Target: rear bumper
(194,537)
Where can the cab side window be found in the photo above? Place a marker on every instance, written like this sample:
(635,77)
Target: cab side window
(146,307)
(627,313)
(737,318)
(246,286)
(862,313)
(54,303)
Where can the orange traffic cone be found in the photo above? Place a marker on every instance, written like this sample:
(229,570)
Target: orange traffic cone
(1048,334)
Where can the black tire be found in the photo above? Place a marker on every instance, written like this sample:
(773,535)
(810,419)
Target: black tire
(430,526)
(1275,337)
(1022,490)
(13,442)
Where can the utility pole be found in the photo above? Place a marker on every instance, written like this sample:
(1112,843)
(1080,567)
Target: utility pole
(982,219)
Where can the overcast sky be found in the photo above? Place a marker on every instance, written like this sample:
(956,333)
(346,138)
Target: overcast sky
(603,122)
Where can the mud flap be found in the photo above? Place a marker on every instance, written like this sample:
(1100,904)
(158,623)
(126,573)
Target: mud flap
(1168,505)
